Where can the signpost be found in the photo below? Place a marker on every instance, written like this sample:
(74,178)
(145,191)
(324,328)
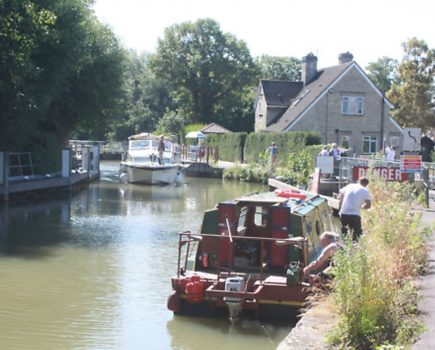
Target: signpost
(411,163)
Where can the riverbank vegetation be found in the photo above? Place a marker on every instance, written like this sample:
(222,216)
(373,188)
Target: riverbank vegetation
(295,162)
(374,287)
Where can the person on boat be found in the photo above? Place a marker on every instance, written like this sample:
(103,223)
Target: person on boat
(322,265)
(352,198)
(161,148)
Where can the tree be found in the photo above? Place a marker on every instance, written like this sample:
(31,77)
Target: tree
(60,74)
(383,72)
(146,99)
(413,93)
(279,68)
(209,71)
(171,123)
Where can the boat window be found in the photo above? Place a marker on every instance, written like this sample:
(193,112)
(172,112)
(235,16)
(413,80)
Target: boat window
(318,229)
(308,228)
(242,217)
(261,216)
(137,144)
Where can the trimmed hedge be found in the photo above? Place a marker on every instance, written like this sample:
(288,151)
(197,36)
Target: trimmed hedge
(240,147)
(287,142)
(230,145)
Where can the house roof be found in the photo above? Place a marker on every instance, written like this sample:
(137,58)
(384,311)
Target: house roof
(278,93)
(214,128)
(308,95)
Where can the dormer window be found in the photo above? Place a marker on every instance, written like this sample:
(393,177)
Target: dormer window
(352,105)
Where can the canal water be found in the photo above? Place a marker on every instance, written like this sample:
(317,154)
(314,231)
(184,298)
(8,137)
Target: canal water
(93,271)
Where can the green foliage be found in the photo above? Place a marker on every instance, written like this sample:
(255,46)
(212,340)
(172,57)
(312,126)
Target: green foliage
(230,145)
(60,73)
(250,173)
(279,68)
(209,71)
(287,142)
(415,88)
(383,72)
(170,123)
(297,168)
(374,293)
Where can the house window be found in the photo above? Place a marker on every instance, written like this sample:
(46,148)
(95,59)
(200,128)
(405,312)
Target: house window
(394,141)
(352,105)
(345,141)
(370,144)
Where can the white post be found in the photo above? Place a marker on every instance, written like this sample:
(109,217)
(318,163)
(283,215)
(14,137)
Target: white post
(96,158)
(66,162)
(85,158)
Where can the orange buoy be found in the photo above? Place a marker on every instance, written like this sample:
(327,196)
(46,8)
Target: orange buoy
(194,289)
(288,193)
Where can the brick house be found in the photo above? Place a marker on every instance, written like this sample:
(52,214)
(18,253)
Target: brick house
(340,102)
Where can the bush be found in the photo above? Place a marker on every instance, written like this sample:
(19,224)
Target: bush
(374,290)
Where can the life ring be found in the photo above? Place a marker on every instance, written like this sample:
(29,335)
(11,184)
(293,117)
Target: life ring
(287,193)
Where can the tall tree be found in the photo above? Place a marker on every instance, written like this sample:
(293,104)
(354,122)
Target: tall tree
(413,93)
(60,73)
(209,71)
(383,72)
(146,99)
(279,68)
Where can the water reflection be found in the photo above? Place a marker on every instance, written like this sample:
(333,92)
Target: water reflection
(93,271)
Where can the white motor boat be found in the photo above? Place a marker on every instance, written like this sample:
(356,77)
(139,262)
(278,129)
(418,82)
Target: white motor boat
(144,166)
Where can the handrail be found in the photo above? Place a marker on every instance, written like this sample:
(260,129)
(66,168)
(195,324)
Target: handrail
(187,237)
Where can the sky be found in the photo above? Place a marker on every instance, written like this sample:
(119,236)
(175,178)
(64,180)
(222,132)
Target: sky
(369,29)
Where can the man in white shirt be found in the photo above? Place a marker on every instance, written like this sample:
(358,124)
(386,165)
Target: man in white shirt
(352,198)
(390,153)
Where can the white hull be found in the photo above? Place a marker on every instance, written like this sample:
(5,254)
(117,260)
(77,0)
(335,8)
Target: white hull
(152,174)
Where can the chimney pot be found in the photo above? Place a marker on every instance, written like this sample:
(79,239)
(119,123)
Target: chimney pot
(345,57)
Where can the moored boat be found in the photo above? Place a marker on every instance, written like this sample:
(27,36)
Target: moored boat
(249,256)
(145,165)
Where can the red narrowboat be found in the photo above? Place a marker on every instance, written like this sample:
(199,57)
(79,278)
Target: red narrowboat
(249,256)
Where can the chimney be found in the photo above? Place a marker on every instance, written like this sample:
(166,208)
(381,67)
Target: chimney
(345,57)
(309,68)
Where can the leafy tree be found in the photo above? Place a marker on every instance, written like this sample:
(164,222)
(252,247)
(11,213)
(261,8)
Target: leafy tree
(171,123)
(279,68)
(60,73)
(383,72)
(209,71)
(413,93)
(146,99)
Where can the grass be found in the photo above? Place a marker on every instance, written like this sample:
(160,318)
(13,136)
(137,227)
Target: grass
(374,286)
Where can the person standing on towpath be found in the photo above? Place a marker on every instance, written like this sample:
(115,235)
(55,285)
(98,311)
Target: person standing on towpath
(273,155)
(352,198)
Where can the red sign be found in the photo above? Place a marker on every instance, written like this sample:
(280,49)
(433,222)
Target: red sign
(411,163)
(388,174)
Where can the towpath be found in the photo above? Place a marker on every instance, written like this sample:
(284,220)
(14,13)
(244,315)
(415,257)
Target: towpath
(426,306)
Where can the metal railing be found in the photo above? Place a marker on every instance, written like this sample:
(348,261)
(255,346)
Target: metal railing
(20,164)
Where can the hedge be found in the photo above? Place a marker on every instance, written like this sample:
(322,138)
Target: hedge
(287,142)
(240,147)
(230,145)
